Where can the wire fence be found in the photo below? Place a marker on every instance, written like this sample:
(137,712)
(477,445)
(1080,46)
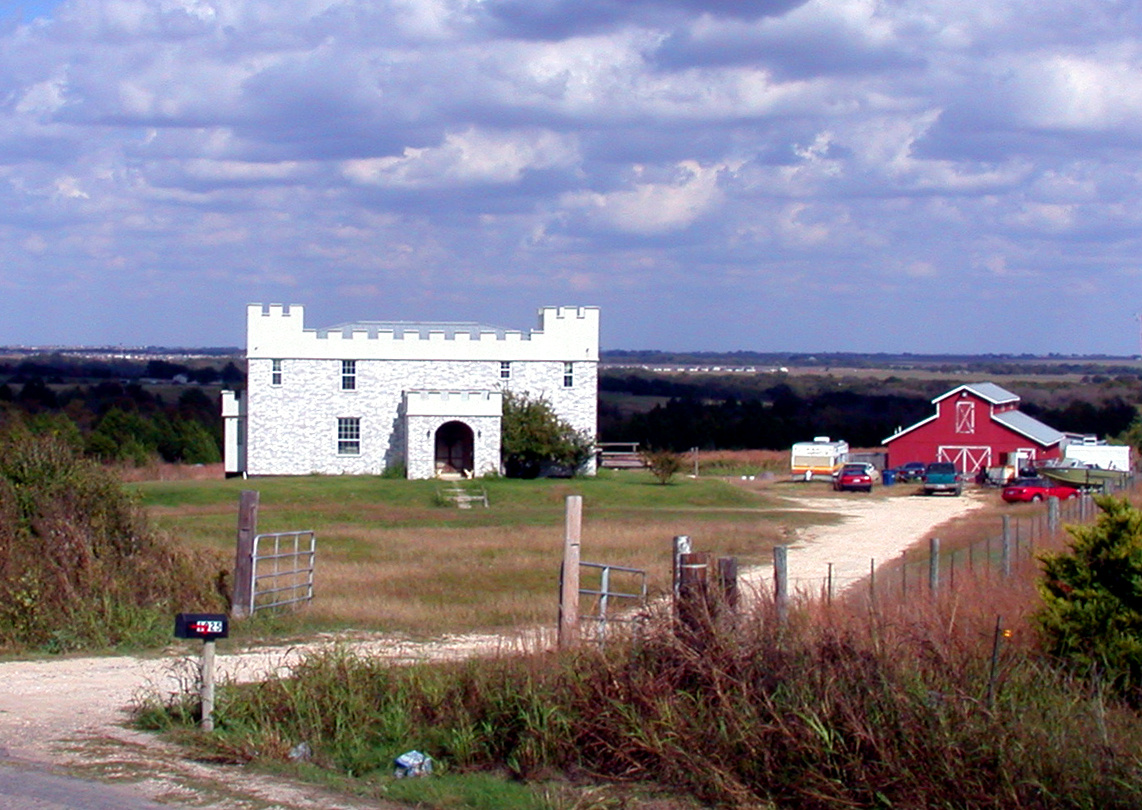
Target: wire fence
(1015,542)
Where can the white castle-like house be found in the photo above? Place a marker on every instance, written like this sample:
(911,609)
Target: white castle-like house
(360,398)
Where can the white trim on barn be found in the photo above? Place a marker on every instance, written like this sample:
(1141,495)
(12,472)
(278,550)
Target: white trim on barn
(965,457)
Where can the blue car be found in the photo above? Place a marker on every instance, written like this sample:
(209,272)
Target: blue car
(912,471)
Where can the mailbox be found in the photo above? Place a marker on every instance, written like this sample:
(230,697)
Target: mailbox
(203,626)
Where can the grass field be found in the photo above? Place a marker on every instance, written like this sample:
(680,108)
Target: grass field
(393,558)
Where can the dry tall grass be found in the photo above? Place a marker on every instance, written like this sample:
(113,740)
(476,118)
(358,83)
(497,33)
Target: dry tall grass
(431,580)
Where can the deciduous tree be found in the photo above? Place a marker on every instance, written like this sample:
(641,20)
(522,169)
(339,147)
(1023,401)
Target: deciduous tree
(534,434)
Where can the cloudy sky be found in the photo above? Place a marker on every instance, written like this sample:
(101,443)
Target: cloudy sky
(874,175)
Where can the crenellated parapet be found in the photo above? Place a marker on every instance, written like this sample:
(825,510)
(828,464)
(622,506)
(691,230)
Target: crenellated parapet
(567,334)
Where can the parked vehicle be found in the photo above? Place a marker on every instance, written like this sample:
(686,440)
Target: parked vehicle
(942,476)
(869,468)
(1026,490)
(820,457)
(853,477)
(912,471)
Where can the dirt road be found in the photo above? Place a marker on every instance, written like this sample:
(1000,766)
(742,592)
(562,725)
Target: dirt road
(69,713)
(872,531)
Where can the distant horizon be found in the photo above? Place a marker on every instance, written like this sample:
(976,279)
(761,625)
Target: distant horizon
(158,349)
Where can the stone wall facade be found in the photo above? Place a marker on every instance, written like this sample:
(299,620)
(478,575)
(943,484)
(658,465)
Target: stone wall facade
(297,408)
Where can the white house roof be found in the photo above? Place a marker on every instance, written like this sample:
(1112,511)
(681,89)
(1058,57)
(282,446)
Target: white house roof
(1030,427)
(985,390)
(422,329)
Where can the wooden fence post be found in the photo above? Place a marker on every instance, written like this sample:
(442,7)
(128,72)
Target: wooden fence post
(243,590)
(692,607)
(934,566)
(1005,559)
(781,582)
(728,582)
(569,574)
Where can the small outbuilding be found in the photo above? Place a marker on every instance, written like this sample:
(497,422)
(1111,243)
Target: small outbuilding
(978,425)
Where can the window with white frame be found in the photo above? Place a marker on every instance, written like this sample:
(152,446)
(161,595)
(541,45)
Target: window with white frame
(505,370)
(568,375)
(348,436)
(348,375)
(275,372)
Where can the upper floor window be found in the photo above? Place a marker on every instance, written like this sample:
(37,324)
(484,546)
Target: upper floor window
(348,435)
(275,372)
(965,417)
(568,375)
(348,375)
(505,370)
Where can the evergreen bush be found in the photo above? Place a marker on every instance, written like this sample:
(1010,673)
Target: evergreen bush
(1091,616)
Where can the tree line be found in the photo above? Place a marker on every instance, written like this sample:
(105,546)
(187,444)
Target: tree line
(115,422)
(737,413)
(110,411)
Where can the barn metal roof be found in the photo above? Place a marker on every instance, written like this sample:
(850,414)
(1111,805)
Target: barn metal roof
(989,391)
(422,329)
(1030,427)
(1014,420)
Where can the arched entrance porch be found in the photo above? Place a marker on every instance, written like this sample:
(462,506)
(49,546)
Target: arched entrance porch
(455,450)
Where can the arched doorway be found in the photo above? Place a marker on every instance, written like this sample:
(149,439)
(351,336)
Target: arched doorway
(455,449)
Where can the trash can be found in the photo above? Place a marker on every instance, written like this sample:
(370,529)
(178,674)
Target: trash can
(888,477)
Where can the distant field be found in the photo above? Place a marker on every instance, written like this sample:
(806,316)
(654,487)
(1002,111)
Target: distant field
(1033,372)
(391,559)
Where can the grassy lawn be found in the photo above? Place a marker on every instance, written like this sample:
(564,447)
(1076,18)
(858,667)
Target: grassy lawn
(393,558)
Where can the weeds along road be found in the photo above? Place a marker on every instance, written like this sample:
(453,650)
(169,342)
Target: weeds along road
(70,713)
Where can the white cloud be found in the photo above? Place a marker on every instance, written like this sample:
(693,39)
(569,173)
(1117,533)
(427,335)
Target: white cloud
(69,187)
(467,158)
(649,208)
(1074,92)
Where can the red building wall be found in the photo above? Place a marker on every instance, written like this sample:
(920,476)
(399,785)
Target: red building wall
(969,441)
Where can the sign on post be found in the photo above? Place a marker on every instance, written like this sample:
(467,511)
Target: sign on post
(202,626)
(208,627)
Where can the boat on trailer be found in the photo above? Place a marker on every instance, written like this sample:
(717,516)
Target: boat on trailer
(1079,474)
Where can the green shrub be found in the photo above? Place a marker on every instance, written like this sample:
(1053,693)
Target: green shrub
(534,434)
(1091,616)
(663,464)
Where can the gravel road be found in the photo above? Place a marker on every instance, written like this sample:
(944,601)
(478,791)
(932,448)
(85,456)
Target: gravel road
(69,713)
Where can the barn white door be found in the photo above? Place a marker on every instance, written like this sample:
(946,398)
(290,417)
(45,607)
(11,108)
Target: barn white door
(966,459)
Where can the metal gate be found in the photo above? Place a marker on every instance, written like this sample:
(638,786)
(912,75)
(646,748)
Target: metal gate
(282,569)
(607,590)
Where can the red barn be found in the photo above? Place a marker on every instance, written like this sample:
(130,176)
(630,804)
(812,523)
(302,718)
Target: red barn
(976,425)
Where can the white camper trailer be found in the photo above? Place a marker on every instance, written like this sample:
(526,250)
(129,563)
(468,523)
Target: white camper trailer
(818,457)
(1092,452)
